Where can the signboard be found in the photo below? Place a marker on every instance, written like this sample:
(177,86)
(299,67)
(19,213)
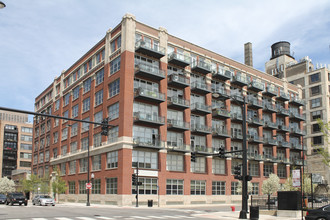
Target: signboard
(296,178)
(316,178)
(88,185)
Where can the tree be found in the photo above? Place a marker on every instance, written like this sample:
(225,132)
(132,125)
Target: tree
(58,185)
(6,185)
(239,187)
(325,129)
(288,186)
(31,184)
(44,185)
(271,185)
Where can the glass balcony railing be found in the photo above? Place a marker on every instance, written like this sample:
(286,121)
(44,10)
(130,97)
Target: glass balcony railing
(202,149)
(270,90)
(200,87)
(147,142)
(178,146)
(298,116)
(220,132)
(240,80)
(297,101)
(178,101)
(147,117)
(256,86)
(222,74)
(201,107)
(152,50)
(220,113)
(201,67)
(179,80)
(283,112)
(283,96)
(178,124)
(179,59)
(149,95)
(149,71)
(200,128)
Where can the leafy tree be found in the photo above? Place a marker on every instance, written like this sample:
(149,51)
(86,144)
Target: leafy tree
(44,185)
(58,185)
(6,185)
(239,187)
(31,184)
(288,185)
(325,129)
(271,185)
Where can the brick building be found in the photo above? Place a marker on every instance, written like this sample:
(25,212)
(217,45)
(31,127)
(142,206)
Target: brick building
(165,98)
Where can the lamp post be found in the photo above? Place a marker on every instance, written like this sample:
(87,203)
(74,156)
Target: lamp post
(2,5)
(88,190)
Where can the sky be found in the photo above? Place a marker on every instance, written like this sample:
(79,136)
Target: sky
(40,38)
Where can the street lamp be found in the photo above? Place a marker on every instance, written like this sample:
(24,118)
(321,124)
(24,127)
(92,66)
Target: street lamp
(2,5)
(88,189)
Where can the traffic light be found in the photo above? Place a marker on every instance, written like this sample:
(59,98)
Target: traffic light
(221,151)
(105,129)
(248,178)
(134,179)
(193,157)
(237,172)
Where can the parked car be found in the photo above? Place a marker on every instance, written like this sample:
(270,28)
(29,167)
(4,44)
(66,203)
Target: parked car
(43,200)
(322,213)
(3,198)
(17,198)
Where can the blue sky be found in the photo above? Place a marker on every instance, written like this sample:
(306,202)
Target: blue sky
(40,38)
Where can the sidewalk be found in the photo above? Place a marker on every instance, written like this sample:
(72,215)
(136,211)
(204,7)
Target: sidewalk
(235,215)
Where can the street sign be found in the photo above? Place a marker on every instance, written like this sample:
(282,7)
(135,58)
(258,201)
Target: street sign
(316,178)
(88,185)
(296,178)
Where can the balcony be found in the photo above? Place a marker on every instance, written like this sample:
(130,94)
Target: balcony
(179,59)
(256,86)
(270,91)
(177,125)
(268,107)
(255,121)
(254,139)
(297,101)
(148,95)
(177,103)
(222,74)
(283,96)
(151,50)
(146,118)
(220,113)
(254,103)
(268,157)
(147,142)
(237,98)
(237,136)
(200,129)
(220,93)
(202,149)
(180,147)
(178,81)
(259,157)
(275,160)
(270,125)
(270,142)
(283,112)
(201,67)
(283,128)
(201,108)
(298,162)
(220,133)
(239,80)
(297,132)
(200,88)
(236,117)
(283,143)
(297,116)
(296,146)
(149,72)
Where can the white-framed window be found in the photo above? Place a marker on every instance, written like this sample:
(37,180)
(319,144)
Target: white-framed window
(75,93)
(84,143)
(74,129)
(112,159)
(148,187)
(66,99)
(174,187)
(72,167)
(113,111)
(113,134)
(111,185)
(96,162)
(197,187)
(99,97)
(114,88)
(255,189)
(87,85)
(83,165)
(234,187)
(115,65)
(85,125)
(218,188)
(75,110)
(64,134)
(57,104)
(146,159)
(64,150)
(199,166)
(98,117)
(281,171)
(73,147)
(268,169)
(99,77)
(86,104)
(218,166)
(174,162)
(253,168)
(97,140)
(63,169)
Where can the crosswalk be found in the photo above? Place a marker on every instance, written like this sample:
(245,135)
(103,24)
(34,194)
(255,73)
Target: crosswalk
(150,217)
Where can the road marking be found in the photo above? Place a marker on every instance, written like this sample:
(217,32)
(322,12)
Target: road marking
(168,216)
(139,217)
(85,218)
(101,217)
(63,218)
(151,216)
(39,219)
(183,216)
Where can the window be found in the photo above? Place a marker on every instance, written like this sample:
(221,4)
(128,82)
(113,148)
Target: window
(314,78)
(86,105)
(75,110)
(268,169)
(73,147)
(113,134)
(66,99)
(26,146)
(47,155)
(98,117)
(63,169)
(75,93)
(57,104)
(87,85)
(281,171)
(99,77)
(84,143)
(112,159)
(315,90)
(82,187)
(99,97)
(234,186)
(64,134)
(218,166)
(316,128)
(85,125)
(27,130)
(65,115)
(72,187)
(114,88)
(74,129)
(147,160)
(253,168)
(174,162)
(315,103)
(97,140)
(25,164)
(148,187)
(41,157)
(27,138)
(72,167)
(255,189)
(316,115)
(111,185)
(96,189)
(218,188)
(199,166)
(197,187)
(317,140)
(55,135)
(83,165)
(96,162)
(113,111)
(115,65)
(64,150)
(174,187)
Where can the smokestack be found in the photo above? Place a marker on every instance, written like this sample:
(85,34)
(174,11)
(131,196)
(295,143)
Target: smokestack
(248,60)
